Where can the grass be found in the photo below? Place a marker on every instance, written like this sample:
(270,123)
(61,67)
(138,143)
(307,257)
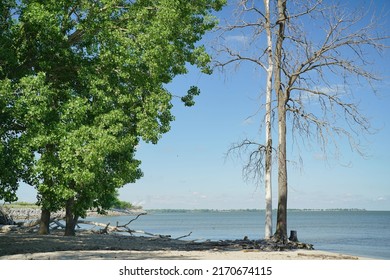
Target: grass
(21,204)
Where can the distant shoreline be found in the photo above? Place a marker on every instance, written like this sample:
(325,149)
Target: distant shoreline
(254,209)
(26,213)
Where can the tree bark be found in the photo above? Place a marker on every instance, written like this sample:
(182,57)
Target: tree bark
(44,222)
(70,218)
(268,135)
(281,223)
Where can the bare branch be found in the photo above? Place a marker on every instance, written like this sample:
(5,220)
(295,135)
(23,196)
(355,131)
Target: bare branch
(237,58)
(254,156)
(132,220)
(312,66)
(309,8)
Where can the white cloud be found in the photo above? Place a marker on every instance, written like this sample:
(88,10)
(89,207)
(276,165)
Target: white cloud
(334,90)
(242,39)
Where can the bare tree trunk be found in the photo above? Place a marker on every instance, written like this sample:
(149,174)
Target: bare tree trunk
(70,218)
(268,136)
(281,223)
(44,222)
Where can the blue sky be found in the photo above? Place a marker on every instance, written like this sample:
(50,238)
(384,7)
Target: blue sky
(189,168)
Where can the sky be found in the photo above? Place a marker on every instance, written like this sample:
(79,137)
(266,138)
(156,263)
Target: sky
(189,167)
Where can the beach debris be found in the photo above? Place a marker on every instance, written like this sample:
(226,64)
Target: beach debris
(184,236)
(5,219)
(107,228)
(293,236)
(7,228)
(120,230)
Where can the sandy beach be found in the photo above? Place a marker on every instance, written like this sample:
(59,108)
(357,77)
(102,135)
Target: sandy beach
(181,255)
(89,246)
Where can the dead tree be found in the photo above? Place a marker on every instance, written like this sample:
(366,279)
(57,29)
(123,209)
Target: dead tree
(316,77)
(322,52)
(251,22)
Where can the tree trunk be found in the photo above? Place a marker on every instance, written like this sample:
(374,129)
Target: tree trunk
(44,222)
(70,218)
(268,135)
(281,223)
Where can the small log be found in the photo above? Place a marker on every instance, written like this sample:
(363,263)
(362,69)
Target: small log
(106,226)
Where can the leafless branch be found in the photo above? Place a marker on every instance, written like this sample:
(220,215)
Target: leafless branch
(312,67)
(253,156)
(238,58)
(307,8)
(132,220)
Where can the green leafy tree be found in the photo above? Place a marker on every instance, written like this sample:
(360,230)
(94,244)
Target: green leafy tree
(11,154)
(88,85)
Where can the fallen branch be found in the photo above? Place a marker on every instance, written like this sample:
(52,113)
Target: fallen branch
(125,228)
(125,225)
(57,223)
(183,236)
(122,228)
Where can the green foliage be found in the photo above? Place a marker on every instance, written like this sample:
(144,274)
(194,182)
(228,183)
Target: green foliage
(82,82)
(119,204)
(189,98)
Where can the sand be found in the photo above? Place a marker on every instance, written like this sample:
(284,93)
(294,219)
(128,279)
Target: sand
(181,255)
(89,246)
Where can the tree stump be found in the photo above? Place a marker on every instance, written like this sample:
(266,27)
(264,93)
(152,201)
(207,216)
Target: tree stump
(293,236)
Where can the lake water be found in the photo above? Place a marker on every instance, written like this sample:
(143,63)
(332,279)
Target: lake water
(362,233)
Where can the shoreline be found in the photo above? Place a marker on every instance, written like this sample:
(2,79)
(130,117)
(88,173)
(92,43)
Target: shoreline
(111,249)
(87,245)
(28,213)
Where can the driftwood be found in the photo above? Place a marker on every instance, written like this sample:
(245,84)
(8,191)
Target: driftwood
(5,219)
(107,228)
(183,236)
(55,223)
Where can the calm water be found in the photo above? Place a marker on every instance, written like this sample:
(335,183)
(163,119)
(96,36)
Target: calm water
(362,233)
